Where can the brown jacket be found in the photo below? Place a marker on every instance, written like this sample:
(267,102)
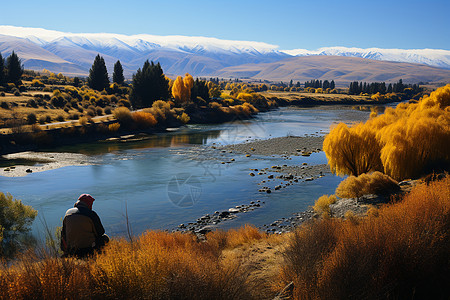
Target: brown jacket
(81,228)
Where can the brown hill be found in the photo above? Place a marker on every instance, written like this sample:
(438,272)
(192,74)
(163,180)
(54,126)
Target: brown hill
(340,69)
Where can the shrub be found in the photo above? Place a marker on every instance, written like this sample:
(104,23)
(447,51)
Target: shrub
(32,103)
(114,127)
(90,112)
(143,119)
(108,110)
(15,221)
(4,105)
(98,111)
(322,205)
(123,115)
(42,120)
(2,94)
(83,120)
(372,183)
(161,110)
(74,116)
(37,83)
(58,101)
(17,93)
(124,103)
(401,252)
(184,118)
(60,118)
(31,118)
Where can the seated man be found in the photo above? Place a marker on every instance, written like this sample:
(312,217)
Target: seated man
(82,232)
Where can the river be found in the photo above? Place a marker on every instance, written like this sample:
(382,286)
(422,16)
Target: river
(145,180)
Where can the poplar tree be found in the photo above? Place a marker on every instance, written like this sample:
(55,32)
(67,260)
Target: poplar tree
(118,73)
(98,75)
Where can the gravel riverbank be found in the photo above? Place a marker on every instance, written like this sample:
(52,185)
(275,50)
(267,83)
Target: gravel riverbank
(23,163)
(290,145)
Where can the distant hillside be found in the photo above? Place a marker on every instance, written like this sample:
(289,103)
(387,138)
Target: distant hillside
(432,57)
(341,69)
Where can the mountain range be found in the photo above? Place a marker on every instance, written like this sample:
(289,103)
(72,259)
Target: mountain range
(73,54)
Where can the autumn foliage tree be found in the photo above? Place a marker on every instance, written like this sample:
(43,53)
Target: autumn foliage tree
(406,142)
(181,89)
(352,151)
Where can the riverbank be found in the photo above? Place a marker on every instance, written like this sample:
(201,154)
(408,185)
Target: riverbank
(23,163)
(277,177)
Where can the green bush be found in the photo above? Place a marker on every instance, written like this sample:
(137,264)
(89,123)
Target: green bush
(15,221)
(4,105)
(31,118)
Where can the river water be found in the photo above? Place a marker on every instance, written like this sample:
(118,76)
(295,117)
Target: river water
(176,177)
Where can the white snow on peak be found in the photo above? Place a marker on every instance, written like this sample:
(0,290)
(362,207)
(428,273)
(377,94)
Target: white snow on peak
(140,41)
(120,43)
(434,57)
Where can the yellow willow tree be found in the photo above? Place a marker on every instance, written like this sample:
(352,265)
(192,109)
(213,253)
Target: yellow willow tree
(188,83)
(411,140)
(352,151)
(417,144)
(181,88)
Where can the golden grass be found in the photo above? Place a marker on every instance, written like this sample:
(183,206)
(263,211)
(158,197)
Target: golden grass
(400,252)
(156,265)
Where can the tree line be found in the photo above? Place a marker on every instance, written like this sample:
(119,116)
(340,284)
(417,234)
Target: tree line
(320,84)
(356,88)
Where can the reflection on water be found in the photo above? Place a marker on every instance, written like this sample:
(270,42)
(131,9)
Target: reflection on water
(145,176)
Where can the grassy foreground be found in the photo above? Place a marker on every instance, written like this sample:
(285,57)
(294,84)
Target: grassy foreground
(399,251)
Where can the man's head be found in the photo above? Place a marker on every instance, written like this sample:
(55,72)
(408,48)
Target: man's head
(87,199)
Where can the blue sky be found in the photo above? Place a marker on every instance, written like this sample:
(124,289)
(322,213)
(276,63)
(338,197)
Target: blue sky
(289,24)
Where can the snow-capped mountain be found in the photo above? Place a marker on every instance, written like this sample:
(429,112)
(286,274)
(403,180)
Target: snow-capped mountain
(432,57)
(73,53)
(177,54)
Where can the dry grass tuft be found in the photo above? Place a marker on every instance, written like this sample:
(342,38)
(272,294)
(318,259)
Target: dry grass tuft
(322,205)
(157,265)
(401,252)
(372,183)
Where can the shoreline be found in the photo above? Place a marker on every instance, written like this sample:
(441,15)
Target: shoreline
(40,162)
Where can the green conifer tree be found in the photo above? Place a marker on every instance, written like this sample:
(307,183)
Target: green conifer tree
(2,70)
(14,69)
(118,73)
(149,85)
(98,75)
